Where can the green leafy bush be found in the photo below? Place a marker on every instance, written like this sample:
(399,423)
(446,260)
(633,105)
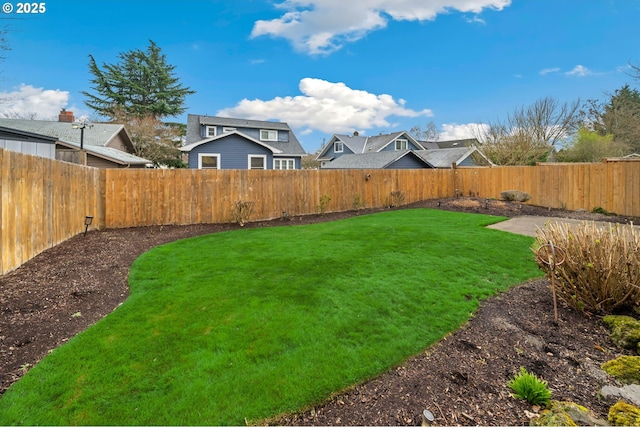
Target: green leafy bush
(529,387)
(601,268)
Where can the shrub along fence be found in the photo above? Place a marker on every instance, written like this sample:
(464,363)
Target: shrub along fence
(45,202)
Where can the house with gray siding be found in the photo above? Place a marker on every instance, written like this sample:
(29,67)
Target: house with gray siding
(227,143)
(340,145)
(27,142)
(398,150)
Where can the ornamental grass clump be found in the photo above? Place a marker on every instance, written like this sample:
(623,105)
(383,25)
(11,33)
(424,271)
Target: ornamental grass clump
(601,268)
(529,387)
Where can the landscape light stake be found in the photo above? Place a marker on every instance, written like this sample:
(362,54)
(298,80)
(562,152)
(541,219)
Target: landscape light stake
(552,256)
(87,223)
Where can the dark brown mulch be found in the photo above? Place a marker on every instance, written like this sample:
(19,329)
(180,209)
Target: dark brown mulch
(461,380)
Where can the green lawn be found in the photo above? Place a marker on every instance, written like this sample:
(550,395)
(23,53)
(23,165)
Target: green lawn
(245,325)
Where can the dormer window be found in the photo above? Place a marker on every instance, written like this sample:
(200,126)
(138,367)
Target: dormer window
(401,144)
(268,135)
(338,147)
(210,131)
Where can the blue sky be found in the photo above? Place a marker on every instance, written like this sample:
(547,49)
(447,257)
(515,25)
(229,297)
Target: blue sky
(331,66)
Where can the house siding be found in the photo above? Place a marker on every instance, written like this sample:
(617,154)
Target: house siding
(468,162)
(331,153)
(41,149)
(407,162)
(392,146)
(234,151)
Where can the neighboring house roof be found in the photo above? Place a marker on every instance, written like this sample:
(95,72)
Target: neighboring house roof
(290,147)
(366,144)
(95,140)
(454,143)
(28,136)
(375,160)
(108,153)
(189,147)
(445,157)
(439,158)
(97,134)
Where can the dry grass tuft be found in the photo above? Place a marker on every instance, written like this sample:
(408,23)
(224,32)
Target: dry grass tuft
(601,268)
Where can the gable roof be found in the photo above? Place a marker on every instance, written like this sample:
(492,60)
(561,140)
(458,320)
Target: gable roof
(445,157)
(97,134)
(374,160)
(95,139)
(439,158)
(367,144)
(187,148)
(291,147)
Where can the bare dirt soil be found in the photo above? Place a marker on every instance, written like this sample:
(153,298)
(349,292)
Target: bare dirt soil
(461,380)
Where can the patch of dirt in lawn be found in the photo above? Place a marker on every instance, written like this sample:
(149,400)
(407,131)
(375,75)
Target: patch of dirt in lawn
(461,380)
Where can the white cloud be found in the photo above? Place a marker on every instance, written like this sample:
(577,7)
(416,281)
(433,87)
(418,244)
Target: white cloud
(327,107)
(452,131)
(546,71)
(32,102)
(579,71)
(323,26)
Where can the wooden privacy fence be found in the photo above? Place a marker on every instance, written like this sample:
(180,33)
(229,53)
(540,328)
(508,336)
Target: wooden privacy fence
(44,202)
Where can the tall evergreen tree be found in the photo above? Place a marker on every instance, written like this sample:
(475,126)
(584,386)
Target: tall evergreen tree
(619,116)
(140,84)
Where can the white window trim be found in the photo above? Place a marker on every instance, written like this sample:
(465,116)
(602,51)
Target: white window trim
(262,156)
(206,131)
(288,160)
(406,143)
(335,145)
(272,135)
(201,155)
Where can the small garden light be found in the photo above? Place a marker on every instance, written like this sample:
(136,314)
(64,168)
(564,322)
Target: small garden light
(87,223)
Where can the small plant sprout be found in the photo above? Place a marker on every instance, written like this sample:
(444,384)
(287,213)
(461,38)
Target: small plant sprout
(529,387)
(325,199)
(358,202)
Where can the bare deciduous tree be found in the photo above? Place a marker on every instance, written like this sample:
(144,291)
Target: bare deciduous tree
(530,133)
(428,133)
(153,139)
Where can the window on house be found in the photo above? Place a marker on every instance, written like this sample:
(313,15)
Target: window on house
(338,147)
(208,161)
(268,135)
(225,130)
(210,131)
(401,144)
(257,162)
(284,164)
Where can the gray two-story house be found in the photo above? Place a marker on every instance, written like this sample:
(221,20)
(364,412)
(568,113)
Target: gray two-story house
(226,143)
(397,150)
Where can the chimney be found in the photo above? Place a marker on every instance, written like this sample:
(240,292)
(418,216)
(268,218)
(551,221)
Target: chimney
(65,116)
(355,133)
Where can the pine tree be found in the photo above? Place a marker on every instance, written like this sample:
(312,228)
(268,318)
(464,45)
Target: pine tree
(140,84)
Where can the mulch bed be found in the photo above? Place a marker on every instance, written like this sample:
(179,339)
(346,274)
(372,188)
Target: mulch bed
(461,380)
